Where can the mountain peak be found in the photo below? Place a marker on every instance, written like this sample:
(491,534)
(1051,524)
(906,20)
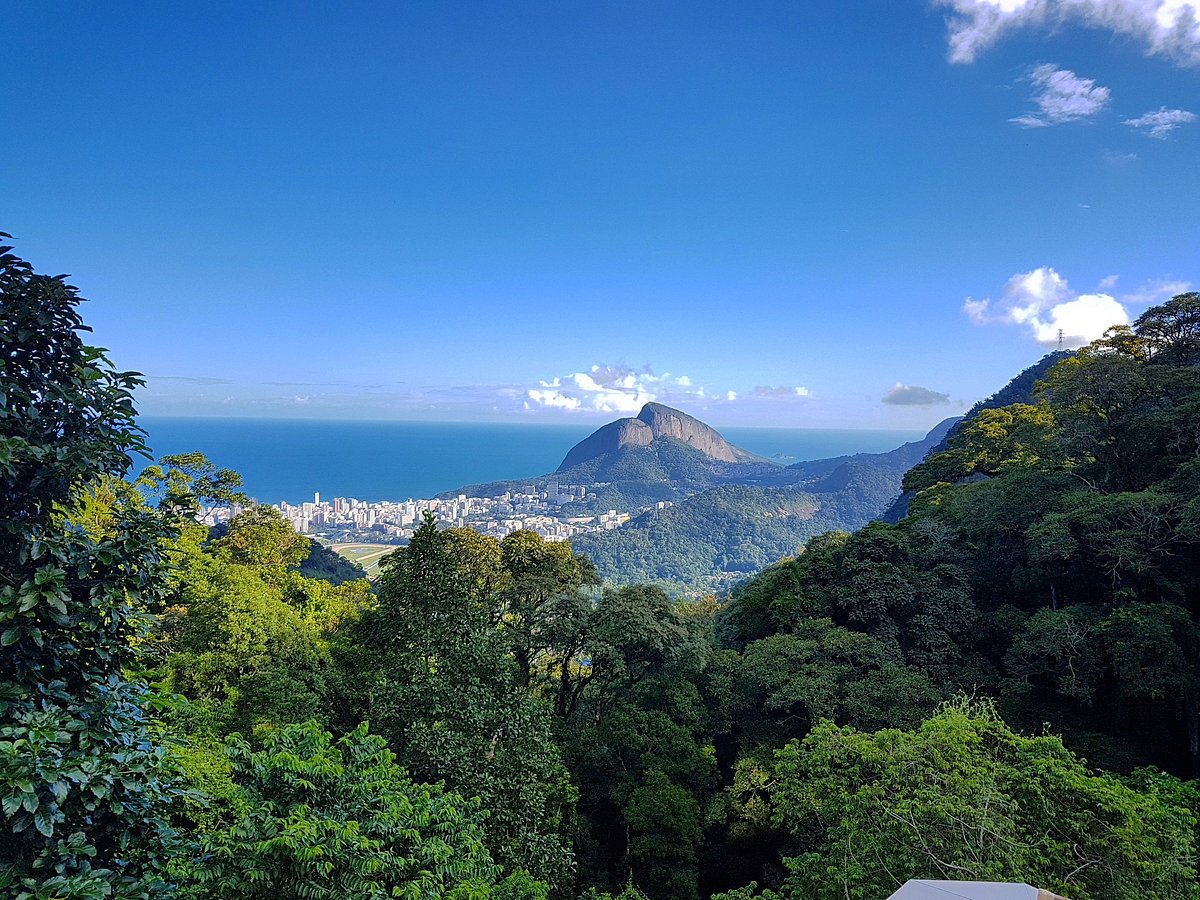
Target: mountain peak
(653,422)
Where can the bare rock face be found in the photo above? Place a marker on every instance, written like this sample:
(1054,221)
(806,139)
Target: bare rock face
(609,439)
(667,422)
(654,421)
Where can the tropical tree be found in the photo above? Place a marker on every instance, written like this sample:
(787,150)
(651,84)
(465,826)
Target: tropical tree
(450,702)
(964,797)
(83,783)
(190,484)
(261,536)
(248,640)
(634,737)
(326,820)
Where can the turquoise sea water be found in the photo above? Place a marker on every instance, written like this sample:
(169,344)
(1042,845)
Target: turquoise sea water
(292,459)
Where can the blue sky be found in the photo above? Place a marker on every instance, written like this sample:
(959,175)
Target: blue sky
(805,214)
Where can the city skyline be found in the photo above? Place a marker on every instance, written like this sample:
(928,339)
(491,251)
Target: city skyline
(810,216)
(395,520)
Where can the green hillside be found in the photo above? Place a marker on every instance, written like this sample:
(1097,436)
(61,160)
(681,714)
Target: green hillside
(708,541)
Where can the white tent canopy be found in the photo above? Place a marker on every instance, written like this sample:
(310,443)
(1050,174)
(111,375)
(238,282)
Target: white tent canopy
(969,890)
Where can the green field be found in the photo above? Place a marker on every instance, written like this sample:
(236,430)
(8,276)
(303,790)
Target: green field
(366,555)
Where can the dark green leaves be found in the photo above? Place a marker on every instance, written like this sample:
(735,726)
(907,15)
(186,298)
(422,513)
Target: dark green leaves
(332,820)
(83,788)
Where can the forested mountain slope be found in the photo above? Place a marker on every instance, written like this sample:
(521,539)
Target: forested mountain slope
(1051,561)
(719,535)
(1051,554)
(1019,390)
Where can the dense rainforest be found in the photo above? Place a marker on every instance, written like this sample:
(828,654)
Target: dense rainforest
(1003,685)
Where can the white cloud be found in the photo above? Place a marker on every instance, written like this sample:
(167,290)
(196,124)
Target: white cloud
(1115,158)
(767,392)
(611,389)
(1154,292)
(624,391)
(901,394)
(1081,320)
(1043,302)
(554,399)
(976,310)
(1169,28)
(1062,96)
(1161,122)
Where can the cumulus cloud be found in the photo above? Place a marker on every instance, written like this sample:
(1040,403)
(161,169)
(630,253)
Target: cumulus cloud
(611,389)
(1169,28)
(1043,302)
(902,394)
(555,399)
(1081,320)
(624,391)
(1161,122)
(1062,96)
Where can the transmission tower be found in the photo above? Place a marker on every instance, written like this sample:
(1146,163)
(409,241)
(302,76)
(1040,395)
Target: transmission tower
(1060,340)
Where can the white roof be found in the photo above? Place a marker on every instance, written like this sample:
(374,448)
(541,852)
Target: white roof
(957,890)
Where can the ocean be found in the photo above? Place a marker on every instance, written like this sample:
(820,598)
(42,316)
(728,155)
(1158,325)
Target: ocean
(293,459)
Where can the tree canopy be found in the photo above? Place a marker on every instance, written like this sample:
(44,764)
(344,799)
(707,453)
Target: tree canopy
(1004,684)
(84,785)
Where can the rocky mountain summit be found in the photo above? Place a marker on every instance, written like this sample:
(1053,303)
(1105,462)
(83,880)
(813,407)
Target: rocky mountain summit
(655,421)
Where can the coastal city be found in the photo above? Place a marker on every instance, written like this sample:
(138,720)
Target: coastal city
(391,521)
